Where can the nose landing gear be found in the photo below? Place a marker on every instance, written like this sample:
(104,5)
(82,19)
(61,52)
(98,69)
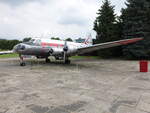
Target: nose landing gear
(22,63)
(47,60)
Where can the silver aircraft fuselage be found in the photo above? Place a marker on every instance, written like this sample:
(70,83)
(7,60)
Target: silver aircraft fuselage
(47,47)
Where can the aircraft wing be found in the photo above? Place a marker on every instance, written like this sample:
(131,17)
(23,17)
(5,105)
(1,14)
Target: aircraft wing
(5,52)
(106,45)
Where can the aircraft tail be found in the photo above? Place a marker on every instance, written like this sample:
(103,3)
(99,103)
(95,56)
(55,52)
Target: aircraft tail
(89,40)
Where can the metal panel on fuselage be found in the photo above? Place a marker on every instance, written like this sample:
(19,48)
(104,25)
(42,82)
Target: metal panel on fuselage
(36,51)
(47,47)
(58,46)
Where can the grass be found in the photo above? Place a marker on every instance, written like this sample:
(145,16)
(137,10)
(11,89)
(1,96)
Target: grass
(83,57)
(73,57)
(9,55)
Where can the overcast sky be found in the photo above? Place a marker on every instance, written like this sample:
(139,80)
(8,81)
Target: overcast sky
(47,18)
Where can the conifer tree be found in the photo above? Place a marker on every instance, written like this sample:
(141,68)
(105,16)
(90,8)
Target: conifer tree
(107,29)
(136,23)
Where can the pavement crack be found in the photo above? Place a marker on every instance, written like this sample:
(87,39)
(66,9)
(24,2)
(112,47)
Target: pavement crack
(117,104)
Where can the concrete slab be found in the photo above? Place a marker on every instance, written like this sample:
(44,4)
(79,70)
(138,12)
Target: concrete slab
(125,109)
(144,104)
(93,86)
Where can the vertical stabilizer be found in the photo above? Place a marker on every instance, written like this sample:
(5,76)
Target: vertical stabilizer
(89,40)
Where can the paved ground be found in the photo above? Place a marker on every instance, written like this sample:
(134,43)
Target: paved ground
(85,86)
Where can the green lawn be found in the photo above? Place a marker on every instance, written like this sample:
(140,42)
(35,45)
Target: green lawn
(73,57)
(9,55)
(83,57)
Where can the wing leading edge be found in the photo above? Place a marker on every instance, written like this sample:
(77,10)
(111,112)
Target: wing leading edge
(5,52)
(107,45)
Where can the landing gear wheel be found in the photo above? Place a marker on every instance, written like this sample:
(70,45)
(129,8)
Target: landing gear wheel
(47,60)
(22,64)
(57,58)
(67,61)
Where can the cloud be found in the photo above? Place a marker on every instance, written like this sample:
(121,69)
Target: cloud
(63,18)
(72,16)
(18,2)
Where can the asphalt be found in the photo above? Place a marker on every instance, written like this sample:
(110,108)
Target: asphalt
(84,86)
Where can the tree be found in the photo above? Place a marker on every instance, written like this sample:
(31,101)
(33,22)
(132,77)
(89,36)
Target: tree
(55,38)
(107,28)
(136,23)
(27,39)
(8,44)
(69,39)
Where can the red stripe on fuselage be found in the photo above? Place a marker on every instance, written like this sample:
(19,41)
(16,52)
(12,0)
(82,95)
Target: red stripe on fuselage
(51,44)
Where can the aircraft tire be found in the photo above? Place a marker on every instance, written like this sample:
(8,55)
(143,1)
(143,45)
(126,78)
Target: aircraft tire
(67,61)
(22,64)
(47,60)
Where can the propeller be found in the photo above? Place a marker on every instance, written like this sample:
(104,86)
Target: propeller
(51,51)
(65,49)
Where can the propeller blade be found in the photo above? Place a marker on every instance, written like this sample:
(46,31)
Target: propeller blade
(65,44)
(64,55)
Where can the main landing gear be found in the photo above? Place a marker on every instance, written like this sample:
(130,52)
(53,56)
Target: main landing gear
(47,60)
(22,63)
(67,61)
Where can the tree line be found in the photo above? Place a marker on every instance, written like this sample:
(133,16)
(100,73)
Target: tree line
(8,44)
(133,22)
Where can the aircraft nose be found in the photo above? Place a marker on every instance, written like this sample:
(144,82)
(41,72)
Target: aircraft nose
(19,47)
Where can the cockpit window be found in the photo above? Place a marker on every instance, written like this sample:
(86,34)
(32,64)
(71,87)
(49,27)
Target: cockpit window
(34,42)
